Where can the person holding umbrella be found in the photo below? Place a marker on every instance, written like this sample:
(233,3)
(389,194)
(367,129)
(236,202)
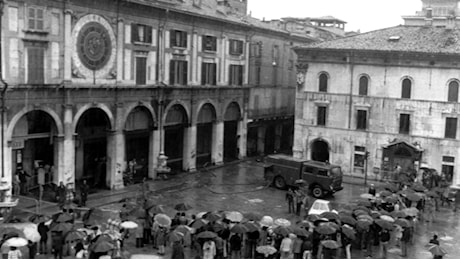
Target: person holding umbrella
(43,231)
(287,246)
(235,246)
(177,250)
(84,190)
(14,253)
(161,240)
(384,239)
(209,249)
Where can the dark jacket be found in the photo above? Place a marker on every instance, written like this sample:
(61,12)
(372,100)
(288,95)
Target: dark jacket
(405,235)
(235,243)
(384,236)
(43,230)
(177,251)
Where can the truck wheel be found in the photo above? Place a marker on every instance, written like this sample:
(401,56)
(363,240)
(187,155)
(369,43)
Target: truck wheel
(317,191)
(279,182)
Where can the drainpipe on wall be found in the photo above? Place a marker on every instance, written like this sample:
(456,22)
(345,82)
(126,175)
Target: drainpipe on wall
(5,87)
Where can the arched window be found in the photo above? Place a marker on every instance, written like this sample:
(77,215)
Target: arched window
(363,85)
(406,88)
(323,81)
(452,96)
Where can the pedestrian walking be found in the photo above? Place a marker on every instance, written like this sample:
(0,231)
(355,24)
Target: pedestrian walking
(435,241)
(235,246)
(290,200)
(61,194)
(384,240)
(57,244)
(32,246)
(209,249)
(405,239)
(457,200)
(286,246)
(177,251)
(372,190)
(43,231)
(69,194)
(161,240)
(23,182)
(429,209)
(84,191)
(140,233)
(251,243)
(306,247)
(297,248)
(14,253)
(298,198)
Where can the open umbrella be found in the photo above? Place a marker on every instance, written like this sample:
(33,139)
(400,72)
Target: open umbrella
(252,215)
(363,224)
(384,224)
(403,222)
(387,218)
(198,223)
(391,199)
(364,203)
(312,218)
(305,224)
(349,232)
(432,194)
(156,210)
(390,187)
(398,214)
(282,230)
(365,217)
(102,246)
(39,218)
(301,232)
(137,213)
(363,208)
(163,220)
(413,197)
(418,187)
(367,196)
(212,216)
(375,214)
(234,216)
(251,226)
(61,227)
(239,229)
(149,204)
(410,211)
(436,250)
(325,230)
(348,220)
(128,225)
(16,242)
(266,250)
(64,217)
(183,207)
(183,229)
(282,222)
(330,215)
(385,193)
(331,244)
(207,235)
(74,235)
(266,221)
(175,236)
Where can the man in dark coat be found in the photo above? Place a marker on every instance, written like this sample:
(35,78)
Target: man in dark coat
(43,231)
(84,190)
(61,194)
(57,244)
(405,241)
(23,180)
(177,251)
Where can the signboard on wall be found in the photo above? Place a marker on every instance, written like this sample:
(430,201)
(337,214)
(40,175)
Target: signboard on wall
(17,144)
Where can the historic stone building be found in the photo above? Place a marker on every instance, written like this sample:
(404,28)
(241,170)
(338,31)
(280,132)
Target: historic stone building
(390,96)
(440,13)
(94,85)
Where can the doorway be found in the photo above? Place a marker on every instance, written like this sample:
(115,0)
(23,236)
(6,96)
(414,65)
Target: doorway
(320,151)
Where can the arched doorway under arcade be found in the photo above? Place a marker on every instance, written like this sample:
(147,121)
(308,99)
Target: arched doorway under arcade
(320,150)
(174,129)
(34,150)
(91,148)
(232,117)
(138,137)
(205,134)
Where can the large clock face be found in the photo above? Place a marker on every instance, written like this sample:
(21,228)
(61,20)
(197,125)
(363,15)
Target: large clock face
(94,46)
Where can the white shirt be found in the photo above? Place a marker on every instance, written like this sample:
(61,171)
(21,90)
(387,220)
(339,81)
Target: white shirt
(286,245)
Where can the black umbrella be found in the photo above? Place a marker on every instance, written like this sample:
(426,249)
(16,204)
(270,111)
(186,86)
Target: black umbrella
(239,229)
(282,230)
(403,222)
(301,232)
(330,215)
(251,226)
(252,216)
(398,214)
(61,227)
(207,235)
(331,244)
(325,230)
(349,232)
(348,220)
(182,207)
(390,187)
(384,224)
(39,218)
(385,193)
(198,223)
(212,216)
(102,246)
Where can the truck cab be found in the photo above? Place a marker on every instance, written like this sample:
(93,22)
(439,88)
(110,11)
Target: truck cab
(320,177)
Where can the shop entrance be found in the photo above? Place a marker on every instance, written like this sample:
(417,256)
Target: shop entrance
(91,148)
(175,124)
(320,151)
(205,125)
(231,120)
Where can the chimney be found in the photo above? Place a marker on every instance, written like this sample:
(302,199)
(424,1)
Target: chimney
(429,16)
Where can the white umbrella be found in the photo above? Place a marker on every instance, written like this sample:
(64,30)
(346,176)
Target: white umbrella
(201,214)
(282,222)
(234,216)
(387,218)
(266,221)
(129,225)
(15,242)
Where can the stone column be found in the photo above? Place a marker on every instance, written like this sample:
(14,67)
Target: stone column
(217,152)
(64,170)
(242,136)
(194,61)
(154,152)
(189,153)
(116,162)
(68,44)
(300,140)
(261,139)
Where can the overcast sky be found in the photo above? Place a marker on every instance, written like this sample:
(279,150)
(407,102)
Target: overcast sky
(366,15)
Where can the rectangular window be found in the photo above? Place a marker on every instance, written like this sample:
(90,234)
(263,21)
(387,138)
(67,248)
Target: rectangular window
(321,115)
(36,18)
(178,74)
(141,33)
(209,43)
(451,127)
(448,163)
(141,70)
(256,50)
(276,55)
(404,123)
(35,65)
(236,47)
(359,157)
(236,75)
(361,120)
(208,74)
(178,39)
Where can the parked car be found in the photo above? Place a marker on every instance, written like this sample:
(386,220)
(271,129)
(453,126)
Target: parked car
(319,206)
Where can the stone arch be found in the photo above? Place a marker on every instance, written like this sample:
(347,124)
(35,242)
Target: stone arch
(364,82)
(452,86)
(200,106)
(132,106)
(228,106)
(324,81)
(173,103)
(320,150)
(85,108)
(25,110)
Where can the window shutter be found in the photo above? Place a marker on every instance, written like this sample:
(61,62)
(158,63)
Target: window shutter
(184,72)
(172,72)
(172,38)
(134,36)
(148,34)
(214,74)
(203,73)
(240,79)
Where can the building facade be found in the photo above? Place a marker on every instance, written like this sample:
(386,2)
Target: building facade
(94,88)
(440,13)
(381,99)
